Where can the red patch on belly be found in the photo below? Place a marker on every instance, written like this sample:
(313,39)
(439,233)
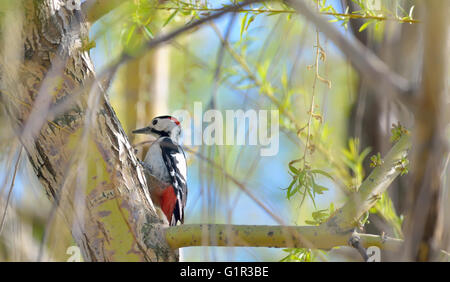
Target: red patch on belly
(168,201)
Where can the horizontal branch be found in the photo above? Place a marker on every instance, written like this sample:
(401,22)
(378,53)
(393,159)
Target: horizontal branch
(384,81)
(281,11)
(95,9)
(224,235)
(335,232)
(170,35)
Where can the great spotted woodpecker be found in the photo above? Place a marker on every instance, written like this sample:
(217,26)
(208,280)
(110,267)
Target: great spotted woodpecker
(166,161)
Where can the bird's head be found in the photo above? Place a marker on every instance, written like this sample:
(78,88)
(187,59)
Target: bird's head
(162,126)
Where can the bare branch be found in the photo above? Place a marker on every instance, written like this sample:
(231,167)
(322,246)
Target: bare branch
(8,198)
(169,36)
(382,79)
(189,235)
(281,11)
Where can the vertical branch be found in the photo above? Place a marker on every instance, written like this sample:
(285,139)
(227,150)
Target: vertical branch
(429,145)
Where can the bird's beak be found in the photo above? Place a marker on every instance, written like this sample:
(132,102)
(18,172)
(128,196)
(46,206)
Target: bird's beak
(145,130)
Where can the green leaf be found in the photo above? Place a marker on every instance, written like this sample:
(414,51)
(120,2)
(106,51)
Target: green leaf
(364,26)
(250,20)
(170,17)
(289,189)
(364,154)
(293,169)
(331,208)
(130,35)
(310,222)
(262,69)
(320,214)
(324,173)
(311,196)
(148,32)
(319,189)
(243,23)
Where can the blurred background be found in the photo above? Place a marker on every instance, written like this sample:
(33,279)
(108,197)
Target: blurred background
(265,59)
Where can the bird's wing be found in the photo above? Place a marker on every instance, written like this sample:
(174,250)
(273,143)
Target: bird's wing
(175,161)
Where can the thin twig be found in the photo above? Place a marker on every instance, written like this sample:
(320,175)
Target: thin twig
(244,65)
(10,190)
(108,73)
(355,242)
(220,56)
(280,11)
(383,80)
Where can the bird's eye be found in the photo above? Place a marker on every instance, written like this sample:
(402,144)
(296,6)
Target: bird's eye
(155,121)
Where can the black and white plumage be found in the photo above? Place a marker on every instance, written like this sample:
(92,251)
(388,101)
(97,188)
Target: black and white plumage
(166,161)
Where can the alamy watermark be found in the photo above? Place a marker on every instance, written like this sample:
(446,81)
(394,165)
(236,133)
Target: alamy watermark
(373,254)
(74,253)
(236,127)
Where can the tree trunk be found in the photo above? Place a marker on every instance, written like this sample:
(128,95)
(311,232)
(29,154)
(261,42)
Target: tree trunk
(424,224)
(81,156)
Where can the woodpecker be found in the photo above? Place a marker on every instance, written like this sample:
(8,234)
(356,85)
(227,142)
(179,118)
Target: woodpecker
(166,161)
